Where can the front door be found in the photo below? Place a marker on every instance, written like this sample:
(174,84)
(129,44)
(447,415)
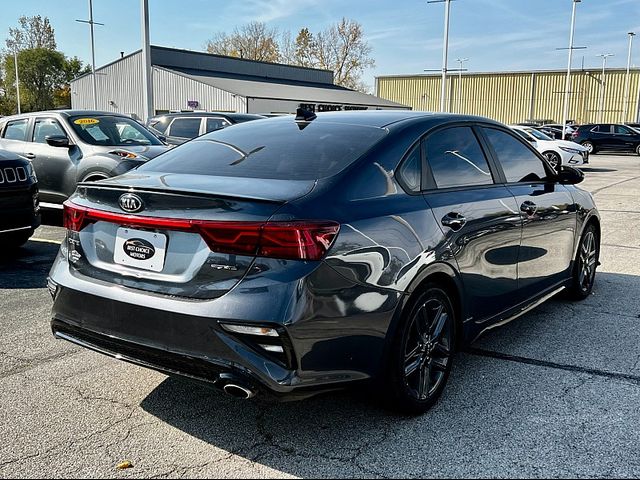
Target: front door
(478,217)
(54,166)
(547,211)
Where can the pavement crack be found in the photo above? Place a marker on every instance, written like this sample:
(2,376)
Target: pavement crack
(625,377)
(31,364)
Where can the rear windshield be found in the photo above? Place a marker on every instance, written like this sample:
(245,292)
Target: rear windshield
(274,149)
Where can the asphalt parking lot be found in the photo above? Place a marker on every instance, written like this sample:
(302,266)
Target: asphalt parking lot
(555,393)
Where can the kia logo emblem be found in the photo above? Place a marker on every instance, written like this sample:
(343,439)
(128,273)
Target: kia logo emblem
(131,203)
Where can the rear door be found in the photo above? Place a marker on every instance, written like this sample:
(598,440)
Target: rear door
(14,135)
(547,211)
(478,217)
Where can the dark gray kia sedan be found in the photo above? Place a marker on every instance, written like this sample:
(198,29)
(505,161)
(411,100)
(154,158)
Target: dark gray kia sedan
(289,256)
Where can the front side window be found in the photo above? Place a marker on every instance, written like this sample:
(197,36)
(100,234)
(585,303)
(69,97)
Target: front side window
(456,158)
(111,130)
(46,127)
(216,124)
(518,162)
(185,127)
(16,130)
(621,130)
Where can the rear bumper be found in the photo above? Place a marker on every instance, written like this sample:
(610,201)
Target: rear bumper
(330,345)
(19,209)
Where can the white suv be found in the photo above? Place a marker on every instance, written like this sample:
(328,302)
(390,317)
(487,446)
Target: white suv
(555,151)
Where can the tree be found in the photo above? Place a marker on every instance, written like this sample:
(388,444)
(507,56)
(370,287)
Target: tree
(342,49)
(72,68)
(33,32)
(253,41)
(41,73)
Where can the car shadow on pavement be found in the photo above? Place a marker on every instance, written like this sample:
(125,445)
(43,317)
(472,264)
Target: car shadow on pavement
(28,266)
(312,436)
(597,169)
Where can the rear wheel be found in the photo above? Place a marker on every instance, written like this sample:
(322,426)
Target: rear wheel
(589,146)
(553,158)
(422,352)
(584,270)
(638,149)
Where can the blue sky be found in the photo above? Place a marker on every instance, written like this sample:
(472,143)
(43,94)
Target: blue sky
(406,36)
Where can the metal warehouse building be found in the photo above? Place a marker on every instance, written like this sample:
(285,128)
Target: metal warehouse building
(187,80)
(512,97)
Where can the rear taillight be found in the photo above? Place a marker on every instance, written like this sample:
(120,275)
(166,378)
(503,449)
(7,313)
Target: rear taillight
(574,134)
(300,240)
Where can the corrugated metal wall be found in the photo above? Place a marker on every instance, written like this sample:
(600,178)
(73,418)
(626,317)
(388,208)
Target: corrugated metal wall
(120,90)
(514,97)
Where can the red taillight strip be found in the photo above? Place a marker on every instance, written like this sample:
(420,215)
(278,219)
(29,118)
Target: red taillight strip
(299,240)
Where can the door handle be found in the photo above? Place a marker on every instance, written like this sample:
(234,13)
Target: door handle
(454,221)
(30,156)
(529,208)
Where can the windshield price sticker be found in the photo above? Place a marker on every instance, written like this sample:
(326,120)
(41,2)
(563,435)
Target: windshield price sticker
(86,121)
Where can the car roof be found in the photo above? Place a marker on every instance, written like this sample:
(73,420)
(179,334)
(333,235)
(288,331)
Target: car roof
(65,113)
(210,114)
(389,118)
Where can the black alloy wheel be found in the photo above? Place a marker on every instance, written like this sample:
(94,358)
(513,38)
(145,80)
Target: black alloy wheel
(423,352)
(586,262)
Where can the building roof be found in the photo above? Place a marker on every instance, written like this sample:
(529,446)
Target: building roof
(510,72)
(287,91)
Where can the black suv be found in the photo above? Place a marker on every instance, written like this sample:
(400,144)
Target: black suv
(177,128)
(608,136)
(19,208)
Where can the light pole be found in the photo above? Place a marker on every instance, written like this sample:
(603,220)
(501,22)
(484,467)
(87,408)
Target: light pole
(567,85)
(93,53)
(461,62)
(602,84)
(445,52)
(147,91)
(15,59)
(625,108)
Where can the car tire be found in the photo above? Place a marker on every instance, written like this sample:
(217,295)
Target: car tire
(638,149)
(421,352)
(553,158)
(591,148)
(15,240)
(585,264)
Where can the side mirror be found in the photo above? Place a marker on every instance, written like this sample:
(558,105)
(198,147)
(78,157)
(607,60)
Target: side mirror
(58,141)
(570,176)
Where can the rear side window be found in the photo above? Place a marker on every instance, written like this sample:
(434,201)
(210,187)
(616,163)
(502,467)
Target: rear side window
(518,162)
(621,130)
(185,127)
(410,171)
(274,149)
(456,159)
(16,130)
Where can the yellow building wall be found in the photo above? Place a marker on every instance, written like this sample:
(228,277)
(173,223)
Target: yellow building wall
(515,97)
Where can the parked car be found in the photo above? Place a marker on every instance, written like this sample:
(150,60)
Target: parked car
(19,205)
(71,146)
(295,255)
(555,151)
(608,136)
(177,128)
(557,127)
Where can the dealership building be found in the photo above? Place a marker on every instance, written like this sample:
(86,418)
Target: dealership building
(512,97)
(194,81)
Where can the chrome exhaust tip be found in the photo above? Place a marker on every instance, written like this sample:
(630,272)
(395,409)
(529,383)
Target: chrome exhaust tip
(237,391)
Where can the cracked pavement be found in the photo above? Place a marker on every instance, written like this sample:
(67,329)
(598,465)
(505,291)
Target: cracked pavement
(556,393)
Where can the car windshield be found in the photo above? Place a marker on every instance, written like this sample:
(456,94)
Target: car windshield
(271,149)
(111,131)
(538,134)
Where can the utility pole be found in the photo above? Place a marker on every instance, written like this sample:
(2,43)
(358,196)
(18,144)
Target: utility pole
(147,91)
(461,62)
(15,59)
(625,108)
(602,84)
(567,85)
(445,52)
(93,53)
